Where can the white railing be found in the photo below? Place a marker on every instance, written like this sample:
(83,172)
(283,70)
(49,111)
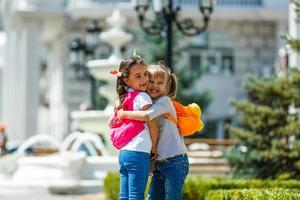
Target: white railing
(111,1)
(194,3)
(222,2)
(239,2)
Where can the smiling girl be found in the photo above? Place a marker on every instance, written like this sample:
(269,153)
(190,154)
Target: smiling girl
(172,166)
(132,137)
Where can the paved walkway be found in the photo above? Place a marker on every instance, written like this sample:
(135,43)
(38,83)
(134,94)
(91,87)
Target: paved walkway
(48,196)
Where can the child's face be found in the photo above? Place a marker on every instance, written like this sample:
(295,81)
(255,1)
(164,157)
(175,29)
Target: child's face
(157,87)
(138,78)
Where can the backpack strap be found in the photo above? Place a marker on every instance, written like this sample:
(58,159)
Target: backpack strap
(128,100)
(171,118)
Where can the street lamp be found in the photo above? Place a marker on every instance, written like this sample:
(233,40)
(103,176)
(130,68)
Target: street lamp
(166,15)
(83,51)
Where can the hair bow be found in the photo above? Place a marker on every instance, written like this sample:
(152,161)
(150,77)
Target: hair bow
(116,72)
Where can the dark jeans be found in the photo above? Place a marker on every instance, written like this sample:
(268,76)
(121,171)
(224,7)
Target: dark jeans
(168,178)
(134,171)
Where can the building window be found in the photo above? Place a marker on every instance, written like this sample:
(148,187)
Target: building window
(227,64)
(212,62)
(195,62)
(215,56)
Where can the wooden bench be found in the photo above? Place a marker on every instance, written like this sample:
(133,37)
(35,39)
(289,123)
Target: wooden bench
(209,157)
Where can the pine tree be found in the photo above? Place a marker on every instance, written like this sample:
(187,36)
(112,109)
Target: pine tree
(154,51)
(268,132)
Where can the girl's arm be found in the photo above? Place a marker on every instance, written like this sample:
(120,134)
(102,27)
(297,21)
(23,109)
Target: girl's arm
(135,115)
(139,115)
(152,112)
(153,129)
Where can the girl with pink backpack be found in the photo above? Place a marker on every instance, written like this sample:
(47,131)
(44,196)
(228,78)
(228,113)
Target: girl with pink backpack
(172,165)
(134,139)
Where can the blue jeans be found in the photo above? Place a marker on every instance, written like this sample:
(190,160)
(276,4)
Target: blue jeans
(134,171)
(168,178)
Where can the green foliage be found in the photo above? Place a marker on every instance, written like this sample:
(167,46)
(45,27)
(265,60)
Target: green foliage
(297,9)
(112,186)
(294,43)
(154,48)
(199,187)
(253,194)
(268,132)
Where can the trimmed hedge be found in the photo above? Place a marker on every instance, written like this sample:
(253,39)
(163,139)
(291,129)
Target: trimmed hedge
(197,188)
(253,194)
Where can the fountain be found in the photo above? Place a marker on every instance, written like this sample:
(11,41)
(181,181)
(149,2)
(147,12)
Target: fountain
(78,165)
(70,170)
(96,121)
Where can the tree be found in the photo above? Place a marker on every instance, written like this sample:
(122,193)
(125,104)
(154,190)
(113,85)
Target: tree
(268,132)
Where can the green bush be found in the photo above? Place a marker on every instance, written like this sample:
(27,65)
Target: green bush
(253,194)
(196,188)
(112,186)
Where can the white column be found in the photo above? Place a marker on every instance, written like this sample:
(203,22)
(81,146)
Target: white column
(2,57)
(20,85)
(55,38)
(294,31)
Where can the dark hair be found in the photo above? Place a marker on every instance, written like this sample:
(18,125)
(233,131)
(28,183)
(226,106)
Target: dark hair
(160,70)
(124,68)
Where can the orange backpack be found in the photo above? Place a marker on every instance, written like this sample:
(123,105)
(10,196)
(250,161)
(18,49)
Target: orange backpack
(188,118)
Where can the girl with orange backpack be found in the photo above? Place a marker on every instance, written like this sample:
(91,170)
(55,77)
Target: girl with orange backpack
(171,166)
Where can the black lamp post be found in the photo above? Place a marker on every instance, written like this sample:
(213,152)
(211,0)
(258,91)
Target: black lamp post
(81,52)
(166,15)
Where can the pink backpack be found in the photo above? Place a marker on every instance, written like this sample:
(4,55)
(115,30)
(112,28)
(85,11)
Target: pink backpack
(124,130)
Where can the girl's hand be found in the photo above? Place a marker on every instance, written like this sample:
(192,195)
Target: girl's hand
(121,114)
(153,154)
(110,124)
(117,105)
(110,121)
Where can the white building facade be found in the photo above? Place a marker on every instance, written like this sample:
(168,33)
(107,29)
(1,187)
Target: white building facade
(39,88)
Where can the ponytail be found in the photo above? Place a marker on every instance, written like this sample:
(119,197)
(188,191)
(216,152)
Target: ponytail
(172,86)
(121,88)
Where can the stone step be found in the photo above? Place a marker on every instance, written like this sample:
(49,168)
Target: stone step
(210,169)
(53,186)
(207,161)
(206,154)
(209,165)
